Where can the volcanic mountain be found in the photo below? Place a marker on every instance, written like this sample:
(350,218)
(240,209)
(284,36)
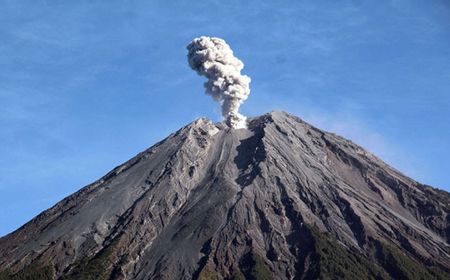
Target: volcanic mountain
(278,200)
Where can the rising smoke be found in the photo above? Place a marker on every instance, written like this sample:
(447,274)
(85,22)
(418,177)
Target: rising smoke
(213,58)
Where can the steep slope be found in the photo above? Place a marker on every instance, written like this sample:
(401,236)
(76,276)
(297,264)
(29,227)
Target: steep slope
(279,200)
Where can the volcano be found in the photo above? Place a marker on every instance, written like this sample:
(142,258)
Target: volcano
(278,200)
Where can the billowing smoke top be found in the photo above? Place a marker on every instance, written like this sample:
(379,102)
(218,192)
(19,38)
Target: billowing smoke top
(213,58)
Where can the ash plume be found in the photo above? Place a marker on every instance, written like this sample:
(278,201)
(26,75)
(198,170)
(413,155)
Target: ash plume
(213,58)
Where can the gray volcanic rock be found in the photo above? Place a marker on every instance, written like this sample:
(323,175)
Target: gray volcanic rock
(210,202)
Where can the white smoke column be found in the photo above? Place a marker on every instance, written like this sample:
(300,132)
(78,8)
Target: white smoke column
(213,58)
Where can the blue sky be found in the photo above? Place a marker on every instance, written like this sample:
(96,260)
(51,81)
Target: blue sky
(86,85)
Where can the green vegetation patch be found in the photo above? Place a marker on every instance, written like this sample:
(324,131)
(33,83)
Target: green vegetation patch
(330,260)
(259,270)
(33,271)
(400,266)
(254,268)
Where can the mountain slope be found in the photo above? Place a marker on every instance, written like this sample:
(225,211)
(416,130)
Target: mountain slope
(279,200)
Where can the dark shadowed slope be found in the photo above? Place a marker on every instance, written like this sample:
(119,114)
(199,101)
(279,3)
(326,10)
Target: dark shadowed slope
(279,200)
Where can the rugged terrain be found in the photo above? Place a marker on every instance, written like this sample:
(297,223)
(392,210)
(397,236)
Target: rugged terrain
(279,200)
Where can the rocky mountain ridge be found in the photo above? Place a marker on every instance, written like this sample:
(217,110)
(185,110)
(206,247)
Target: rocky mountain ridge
(279,200)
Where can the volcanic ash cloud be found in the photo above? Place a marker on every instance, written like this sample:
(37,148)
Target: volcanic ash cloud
(213,58)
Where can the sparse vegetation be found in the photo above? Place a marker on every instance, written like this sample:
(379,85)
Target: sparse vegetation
(4,275)
(94,268)
(254,268)
(400,266)
(238,276)
(259,270)
(207,274)
(31,272)
(330,260)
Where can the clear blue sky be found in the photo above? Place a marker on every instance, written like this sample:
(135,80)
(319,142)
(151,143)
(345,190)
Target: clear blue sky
(85,85)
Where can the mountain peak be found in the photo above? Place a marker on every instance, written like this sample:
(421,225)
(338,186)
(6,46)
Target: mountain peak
(211,202)
(273,116)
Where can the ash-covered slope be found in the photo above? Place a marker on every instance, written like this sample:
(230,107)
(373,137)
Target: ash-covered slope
(279,200)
